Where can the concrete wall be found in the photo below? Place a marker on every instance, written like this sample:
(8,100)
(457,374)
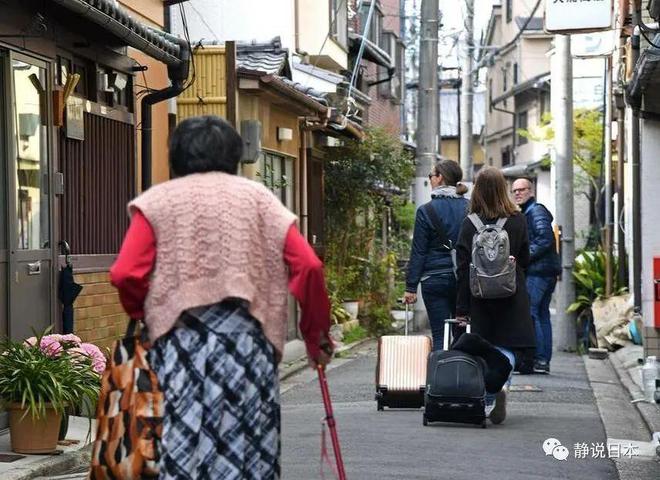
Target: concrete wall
(313,25)
(650,218)
(450,149)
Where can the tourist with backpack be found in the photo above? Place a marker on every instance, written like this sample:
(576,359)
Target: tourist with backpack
(432,255)
(544,267)
(492,255)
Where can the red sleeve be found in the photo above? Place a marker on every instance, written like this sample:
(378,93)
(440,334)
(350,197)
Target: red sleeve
(130,272)
(307,284)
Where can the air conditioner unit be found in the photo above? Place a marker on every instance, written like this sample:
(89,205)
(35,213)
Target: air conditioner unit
(330,142)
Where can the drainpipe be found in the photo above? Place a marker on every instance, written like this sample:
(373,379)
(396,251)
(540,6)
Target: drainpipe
(636,180)
(177,75)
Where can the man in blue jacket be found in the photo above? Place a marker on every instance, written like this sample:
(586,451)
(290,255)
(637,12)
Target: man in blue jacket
(543,269)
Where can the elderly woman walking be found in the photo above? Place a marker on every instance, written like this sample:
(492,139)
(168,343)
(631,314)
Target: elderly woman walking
(437,224)
(206,262)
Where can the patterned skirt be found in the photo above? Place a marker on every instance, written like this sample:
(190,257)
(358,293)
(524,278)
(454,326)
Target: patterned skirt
(222,410)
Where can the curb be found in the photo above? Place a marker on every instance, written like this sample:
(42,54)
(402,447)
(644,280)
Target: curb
(300,364)
(650,413)
(56,466)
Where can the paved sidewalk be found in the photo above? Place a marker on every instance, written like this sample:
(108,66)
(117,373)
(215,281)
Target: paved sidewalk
(71,457)
(623,422)
(72,462)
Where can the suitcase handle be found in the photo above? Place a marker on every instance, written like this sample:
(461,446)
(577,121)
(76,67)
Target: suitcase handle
(448,322)
(407,318)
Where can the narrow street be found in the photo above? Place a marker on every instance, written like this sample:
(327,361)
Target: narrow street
(395,445)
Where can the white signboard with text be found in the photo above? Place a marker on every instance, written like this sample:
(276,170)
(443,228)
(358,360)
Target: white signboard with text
(578,15)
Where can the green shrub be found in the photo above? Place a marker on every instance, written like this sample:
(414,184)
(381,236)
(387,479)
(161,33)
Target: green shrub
(355,334)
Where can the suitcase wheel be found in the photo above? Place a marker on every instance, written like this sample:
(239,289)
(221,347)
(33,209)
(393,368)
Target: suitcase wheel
(425,420)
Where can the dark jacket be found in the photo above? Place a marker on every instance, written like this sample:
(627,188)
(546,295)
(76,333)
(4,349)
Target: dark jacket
(428,255)
(543,258)
(505,322)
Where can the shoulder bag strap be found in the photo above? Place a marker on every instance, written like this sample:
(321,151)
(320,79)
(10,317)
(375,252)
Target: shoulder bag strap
(437,226)
(500,222)
(476,221)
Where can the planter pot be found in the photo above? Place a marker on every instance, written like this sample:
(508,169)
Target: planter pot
(33,436)
(64,427)
(352,308)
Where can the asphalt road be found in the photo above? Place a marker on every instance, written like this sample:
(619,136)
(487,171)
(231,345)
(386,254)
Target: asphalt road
(394,445)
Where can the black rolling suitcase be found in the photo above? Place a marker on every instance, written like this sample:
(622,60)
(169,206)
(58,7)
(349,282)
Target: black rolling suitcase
(455,388)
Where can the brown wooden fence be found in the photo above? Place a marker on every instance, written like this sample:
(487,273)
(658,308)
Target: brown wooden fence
(99,179)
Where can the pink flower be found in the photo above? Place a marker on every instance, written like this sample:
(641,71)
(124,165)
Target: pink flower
(94,352)
(70,338)
(51,346)
(32,341)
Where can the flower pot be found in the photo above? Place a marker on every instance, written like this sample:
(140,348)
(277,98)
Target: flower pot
(352,308)
(33,436)
(64,427)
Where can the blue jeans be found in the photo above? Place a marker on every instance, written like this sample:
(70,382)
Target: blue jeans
(540,291)
(490,397)
(439,295)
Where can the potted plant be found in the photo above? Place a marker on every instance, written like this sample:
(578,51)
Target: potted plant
(39,379)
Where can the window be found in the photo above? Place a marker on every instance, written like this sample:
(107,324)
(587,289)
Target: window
(376,26)
(388,88)
(490,94)
(399,82)
(505,83)
(276,172)
(506,156)
(515,74)
(509,10)
(521,125)
(339,21)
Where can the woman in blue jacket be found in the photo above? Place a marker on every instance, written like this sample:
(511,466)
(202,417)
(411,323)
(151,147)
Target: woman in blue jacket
(437,225)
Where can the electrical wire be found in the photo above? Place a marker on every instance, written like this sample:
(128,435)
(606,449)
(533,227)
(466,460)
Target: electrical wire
(327,37)
(358,60)
(650,42)
(201,17)
(186,33)
(511,42)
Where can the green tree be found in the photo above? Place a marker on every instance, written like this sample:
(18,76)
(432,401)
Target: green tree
(362,180)
(587,153)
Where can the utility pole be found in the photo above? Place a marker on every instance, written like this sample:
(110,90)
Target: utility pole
(427,107)
(467,93)
(607,132)
(562,108)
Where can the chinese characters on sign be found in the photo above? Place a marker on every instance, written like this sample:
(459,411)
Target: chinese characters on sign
(553,447)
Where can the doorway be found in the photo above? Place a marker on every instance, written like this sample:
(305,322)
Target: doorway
(26,254)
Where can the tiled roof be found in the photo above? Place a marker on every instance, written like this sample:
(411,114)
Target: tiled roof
(535,24)
(269,58)
(309,91)
(112,17)
(319,72)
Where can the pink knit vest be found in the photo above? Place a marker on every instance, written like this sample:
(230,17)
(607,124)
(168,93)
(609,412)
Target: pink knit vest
(217,236)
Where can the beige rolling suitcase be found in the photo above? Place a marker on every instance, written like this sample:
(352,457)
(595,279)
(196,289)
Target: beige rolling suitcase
(401,369)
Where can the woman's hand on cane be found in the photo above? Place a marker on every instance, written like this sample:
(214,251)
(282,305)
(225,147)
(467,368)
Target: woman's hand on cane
(325,355)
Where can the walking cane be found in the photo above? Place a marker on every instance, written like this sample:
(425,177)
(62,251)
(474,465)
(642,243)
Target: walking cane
(330,419)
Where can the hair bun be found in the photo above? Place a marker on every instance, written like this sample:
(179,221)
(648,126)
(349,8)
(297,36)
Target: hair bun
(461,188)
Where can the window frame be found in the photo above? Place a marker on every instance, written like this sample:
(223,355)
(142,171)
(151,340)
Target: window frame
(522,140)
(338,21)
